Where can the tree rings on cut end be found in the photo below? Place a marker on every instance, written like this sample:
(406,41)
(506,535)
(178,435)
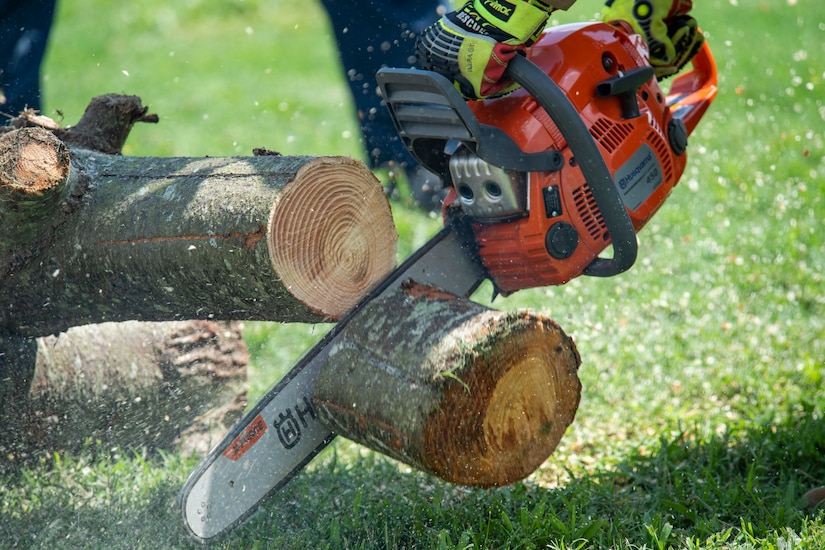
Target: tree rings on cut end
(331,234)
(512,408)
(33,161)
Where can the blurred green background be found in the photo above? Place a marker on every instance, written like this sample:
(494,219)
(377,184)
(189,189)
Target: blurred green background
(701,421)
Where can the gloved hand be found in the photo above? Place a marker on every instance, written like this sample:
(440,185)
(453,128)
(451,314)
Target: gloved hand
(473,45)
(672,36)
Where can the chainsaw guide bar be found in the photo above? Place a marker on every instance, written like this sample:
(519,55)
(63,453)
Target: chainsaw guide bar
(282,433)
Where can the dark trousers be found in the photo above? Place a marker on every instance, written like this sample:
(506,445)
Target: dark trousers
(24,31)
(372,34)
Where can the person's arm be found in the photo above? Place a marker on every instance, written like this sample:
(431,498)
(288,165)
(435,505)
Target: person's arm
(473,45)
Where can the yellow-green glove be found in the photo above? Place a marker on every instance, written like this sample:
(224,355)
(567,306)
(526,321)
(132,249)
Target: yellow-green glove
(672,36)
(473,45)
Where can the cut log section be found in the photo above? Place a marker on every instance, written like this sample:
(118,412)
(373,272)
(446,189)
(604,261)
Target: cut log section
(293,239)
(129,385)
(472,395)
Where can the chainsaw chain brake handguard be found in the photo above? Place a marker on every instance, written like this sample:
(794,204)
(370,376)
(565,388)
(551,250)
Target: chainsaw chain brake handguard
(429,114)
(431,117)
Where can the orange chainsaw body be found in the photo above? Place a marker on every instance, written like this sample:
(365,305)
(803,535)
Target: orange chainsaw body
(562,230)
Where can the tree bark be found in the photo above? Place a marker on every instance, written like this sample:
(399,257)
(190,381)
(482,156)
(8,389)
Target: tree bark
(128,385)
(129,238)
(472,395)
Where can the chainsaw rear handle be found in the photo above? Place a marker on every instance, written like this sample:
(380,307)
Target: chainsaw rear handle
(589,159)
(692,92)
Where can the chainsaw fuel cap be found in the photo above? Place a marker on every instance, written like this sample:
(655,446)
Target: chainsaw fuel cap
(561,240)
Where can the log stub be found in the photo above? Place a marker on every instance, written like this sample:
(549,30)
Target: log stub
(130,385)
(34,166)
(470,394)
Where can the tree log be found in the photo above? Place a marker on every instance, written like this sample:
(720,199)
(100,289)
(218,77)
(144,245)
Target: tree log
(472,395)
(156,239)
(130,385)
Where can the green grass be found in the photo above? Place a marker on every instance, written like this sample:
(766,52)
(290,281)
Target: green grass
(701,422)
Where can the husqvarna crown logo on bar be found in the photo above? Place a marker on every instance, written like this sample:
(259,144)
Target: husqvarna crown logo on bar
(288,424)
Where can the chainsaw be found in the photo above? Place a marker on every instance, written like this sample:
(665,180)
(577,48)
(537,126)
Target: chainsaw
(541,182)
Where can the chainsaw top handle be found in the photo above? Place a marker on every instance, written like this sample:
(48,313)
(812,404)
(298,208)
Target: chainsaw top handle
(589,159)
(692,92)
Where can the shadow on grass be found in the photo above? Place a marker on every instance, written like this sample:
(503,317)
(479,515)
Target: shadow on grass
(740,486)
